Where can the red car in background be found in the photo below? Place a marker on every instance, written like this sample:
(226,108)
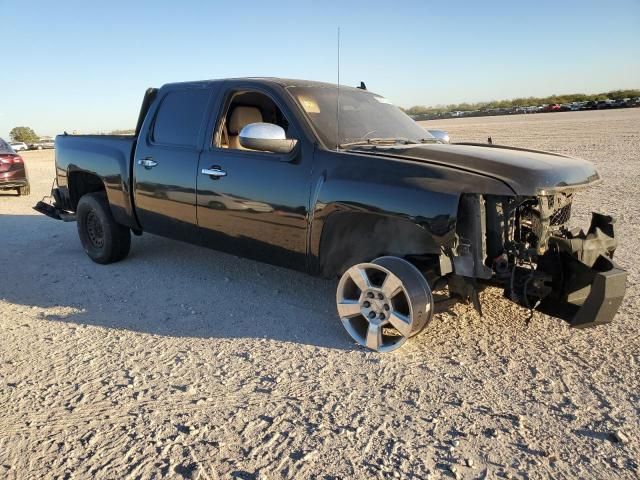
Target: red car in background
(554,107)
(13,173)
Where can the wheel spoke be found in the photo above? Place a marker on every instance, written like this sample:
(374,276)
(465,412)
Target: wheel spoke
(400,322)
(348,308)
(374,336)
(391,286)
(359,277)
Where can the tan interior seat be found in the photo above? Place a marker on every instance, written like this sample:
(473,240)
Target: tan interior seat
(240,117)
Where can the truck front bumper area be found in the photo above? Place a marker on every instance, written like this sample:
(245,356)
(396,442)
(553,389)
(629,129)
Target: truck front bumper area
(584,286)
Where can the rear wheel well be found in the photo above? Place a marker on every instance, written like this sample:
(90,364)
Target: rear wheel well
(81,183)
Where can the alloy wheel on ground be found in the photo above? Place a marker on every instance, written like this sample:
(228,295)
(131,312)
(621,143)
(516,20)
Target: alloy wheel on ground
(383,303)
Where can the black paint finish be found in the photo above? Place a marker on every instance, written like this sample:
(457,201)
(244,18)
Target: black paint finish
(314,209)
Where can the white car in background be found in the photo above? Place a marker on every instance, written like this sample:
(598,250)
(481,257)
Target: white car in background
(42,145)
(19,146)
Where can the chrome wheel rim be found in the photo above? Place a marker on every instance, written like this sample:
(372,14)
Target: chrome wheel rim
(383,303)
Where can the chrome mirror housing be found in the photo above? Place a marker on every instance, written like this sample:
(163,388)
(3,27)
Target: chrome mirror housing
(266,137)
(440,135)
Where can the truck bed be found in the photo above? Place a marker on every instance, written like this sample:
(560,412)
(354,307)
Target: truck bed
(107,156)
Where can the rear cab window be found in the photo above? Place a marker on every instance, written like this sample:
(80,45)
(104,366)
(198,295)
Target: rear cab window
(179,117)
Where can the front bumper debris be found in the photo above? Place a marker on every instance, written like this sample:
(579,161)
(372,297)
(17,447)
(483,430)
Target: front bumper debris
(586,286)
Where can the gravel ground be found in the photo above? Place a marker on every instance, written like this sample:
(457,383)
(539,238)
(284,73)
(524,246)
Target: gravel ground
(182,362)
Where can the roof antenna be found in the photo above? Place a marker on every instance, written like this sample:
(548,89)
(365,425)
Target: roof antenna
(338,99)
(362,86)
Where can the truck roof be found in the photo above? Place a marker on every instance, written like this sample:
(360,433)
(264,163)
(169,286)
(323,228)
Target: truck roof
(284,82)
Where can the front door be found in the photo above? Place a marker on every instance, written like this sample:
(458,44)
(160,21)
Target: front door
(251,203)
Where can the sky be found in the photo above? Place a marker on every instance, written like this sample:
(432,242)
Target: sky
(82,65)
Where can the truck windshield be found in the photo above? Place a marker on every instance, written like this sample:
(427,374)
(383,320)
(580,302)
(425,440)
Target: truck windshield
(364,117)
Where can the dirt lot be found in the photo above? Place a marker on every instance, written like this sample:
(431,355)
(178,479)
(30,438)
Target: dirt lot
(183,362)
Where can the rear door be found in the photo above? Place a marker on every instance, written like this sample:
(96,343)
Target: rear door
(166,162)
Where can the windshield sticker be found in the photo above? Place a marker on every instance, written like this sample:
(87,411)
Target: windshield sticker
(309,104)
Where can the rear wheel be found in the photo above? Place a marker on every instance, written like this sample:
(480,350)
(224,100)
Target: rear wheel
(104,240)
(383,303)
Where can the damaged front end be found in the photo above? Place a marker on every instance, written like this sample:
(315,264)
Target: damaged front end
(524,245)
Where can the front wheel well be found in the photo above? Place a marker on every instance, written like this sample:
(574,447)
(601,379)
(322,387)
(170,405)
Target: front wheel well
(81,183)
(349,238)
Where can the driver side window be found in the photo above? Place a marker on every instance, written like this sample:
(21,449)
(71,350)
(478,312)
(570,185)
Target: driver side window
(242,109)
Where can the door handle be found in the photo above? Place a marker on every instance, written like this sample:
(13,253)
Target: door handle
(215,172)
(147,162)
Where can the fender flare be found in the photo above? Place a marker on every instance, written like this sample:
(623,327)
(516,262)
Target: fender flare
(351,236)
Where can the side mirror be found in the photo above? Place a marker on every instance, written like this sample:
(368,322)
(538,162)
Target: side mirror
(266,137)
(440,135)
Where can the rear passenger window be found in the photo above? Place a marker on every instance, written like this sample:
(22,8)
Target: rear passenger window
(179,117)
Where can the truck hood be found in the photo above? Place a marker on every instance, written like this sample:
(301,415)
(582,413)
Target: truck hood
(526,172)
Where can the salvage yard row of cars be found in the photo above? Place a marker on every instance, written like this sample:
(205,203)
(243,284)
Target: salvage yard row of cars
(553,107)
(45,144)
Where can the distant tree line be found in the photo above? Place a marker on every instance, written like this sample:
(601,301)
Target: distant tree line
(524,102)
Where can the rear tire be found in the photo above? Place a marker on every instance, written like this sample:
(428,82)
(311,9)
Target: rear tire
(104,240)
(26,190)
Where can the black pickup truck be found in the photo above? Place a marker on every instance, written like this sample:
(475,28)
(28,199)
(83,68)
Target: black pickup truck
(336,181)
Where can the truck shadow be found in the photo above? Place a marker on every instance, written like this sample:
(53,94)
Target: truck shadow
(164,287)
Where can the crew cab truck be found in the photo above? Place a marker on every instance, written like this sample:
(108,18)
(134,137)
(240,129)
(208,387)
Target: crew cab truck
(336,181)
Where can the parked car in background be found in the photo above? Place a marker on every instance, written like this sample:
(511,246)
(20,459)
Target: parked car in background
(554,107)
(590,105)
(604,104)
(42,145)
(13,173)
(19,146)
